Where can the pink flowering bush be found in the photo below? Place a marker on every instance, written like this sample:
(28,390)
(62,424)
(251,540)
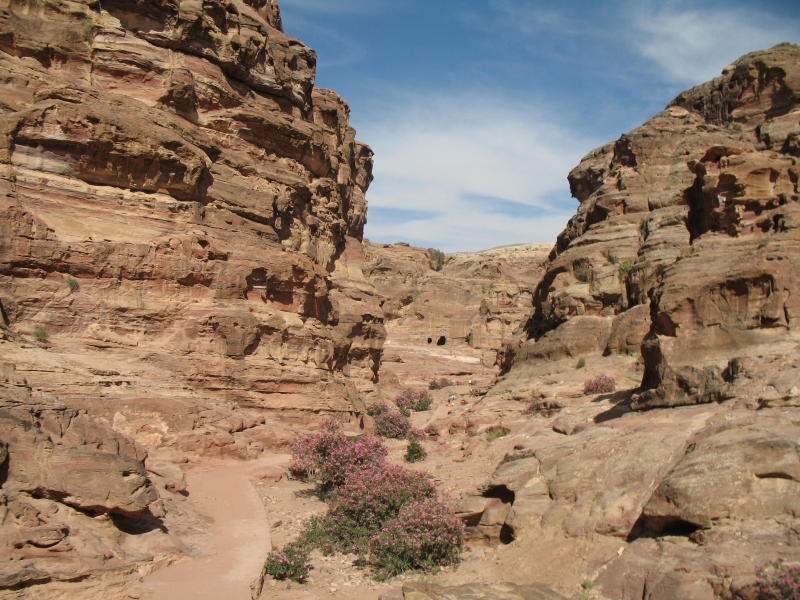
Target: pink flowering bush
(424,534)
(388,515)
(290,562)
(370,497)
(415,434)
(602,384)
(377,408)
(778,581)
(409,400)
(392,425)
(330,455)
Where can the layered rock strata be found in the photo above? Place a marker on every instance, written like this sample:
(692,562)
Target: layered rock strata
(684,246)
(679,277)
(175,186)
(178,203)
(472,302)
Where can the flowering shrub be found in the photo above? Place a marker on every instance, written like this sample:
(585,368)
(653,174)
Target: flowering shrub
(602,384)
(424,534)
(330,455)
(415,434)
(441,383)
(392,425)
(290,562)
(415,453)
(778,581)
(408,399)
(369,497)
(377,408)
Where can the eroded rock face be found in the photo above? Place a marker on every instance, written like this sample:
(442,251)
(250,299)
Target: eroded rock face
(178,204)
(678,276)
(173,183)
(473,302)
(693,215)
(75,495)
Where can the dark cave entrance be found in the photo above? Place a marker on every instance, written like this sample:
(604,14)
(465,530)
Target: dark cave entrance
(430,340)
(441,341)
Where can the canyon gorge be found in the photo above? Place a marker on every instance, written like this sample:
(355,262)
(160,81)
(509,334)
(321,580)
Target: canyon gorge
(185,288)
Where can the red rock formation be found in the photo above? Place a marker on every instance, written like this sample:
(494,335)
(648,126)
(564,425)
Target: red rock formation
(175,195)
(174,184)
(685,234)
(679,275)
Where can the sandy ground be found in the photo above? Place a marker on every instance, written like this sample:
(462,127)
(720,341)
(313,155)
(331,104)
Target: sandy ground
(239,540)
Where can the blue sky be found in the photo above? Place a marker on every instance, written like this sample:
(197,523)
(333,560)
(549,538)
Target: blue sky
(478,109)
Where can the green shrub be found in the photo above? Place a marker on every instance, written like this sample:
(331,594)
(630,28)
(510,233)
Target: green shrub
(41,335)
(434,385)
(87,30)
(581,363)
(495,432)
(583,272)
(73,284)
(644,229)
(436,258)
(415,453)
(290,562)
(625,269)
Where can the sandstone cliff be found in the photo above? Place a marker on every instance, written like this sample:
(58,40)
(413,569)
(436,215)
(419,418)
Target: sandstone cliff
(685,234)
(176,199)
(680,276)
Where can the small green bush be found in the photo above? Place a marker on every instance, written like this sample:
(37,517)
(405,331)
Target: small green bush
(581,363)
(87,30)
(436,258)
(434,385)
(583,273)
(644,229)
(495,432)
(73,284)
(290,562)
(415,453)
(41,335)
(625,269)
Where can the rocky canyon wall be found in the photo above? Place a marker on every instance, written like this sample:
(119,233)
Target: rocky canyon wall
(178,203)
(685,244)
(679,276)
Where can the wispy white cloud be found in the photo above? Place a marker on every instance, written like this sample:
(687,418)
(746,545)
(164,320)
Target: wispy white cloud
(469,172)
(693,45)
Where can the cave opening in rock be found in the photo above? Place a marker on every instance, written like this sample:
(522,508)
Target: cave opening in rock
(658,526)
(441,341)
(430,340)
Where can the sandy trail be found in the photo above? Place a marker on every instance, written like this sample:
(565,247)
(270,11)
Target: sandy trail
(240,535)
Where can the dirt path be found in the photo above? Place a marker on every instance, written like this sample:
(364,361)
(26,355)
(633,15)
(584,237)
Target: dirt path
(240,535)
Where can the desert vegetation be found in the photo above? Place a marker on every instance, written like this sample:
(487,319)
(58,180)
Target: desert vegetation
(410,400)
(778,581)
(602,384)
(390,517)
